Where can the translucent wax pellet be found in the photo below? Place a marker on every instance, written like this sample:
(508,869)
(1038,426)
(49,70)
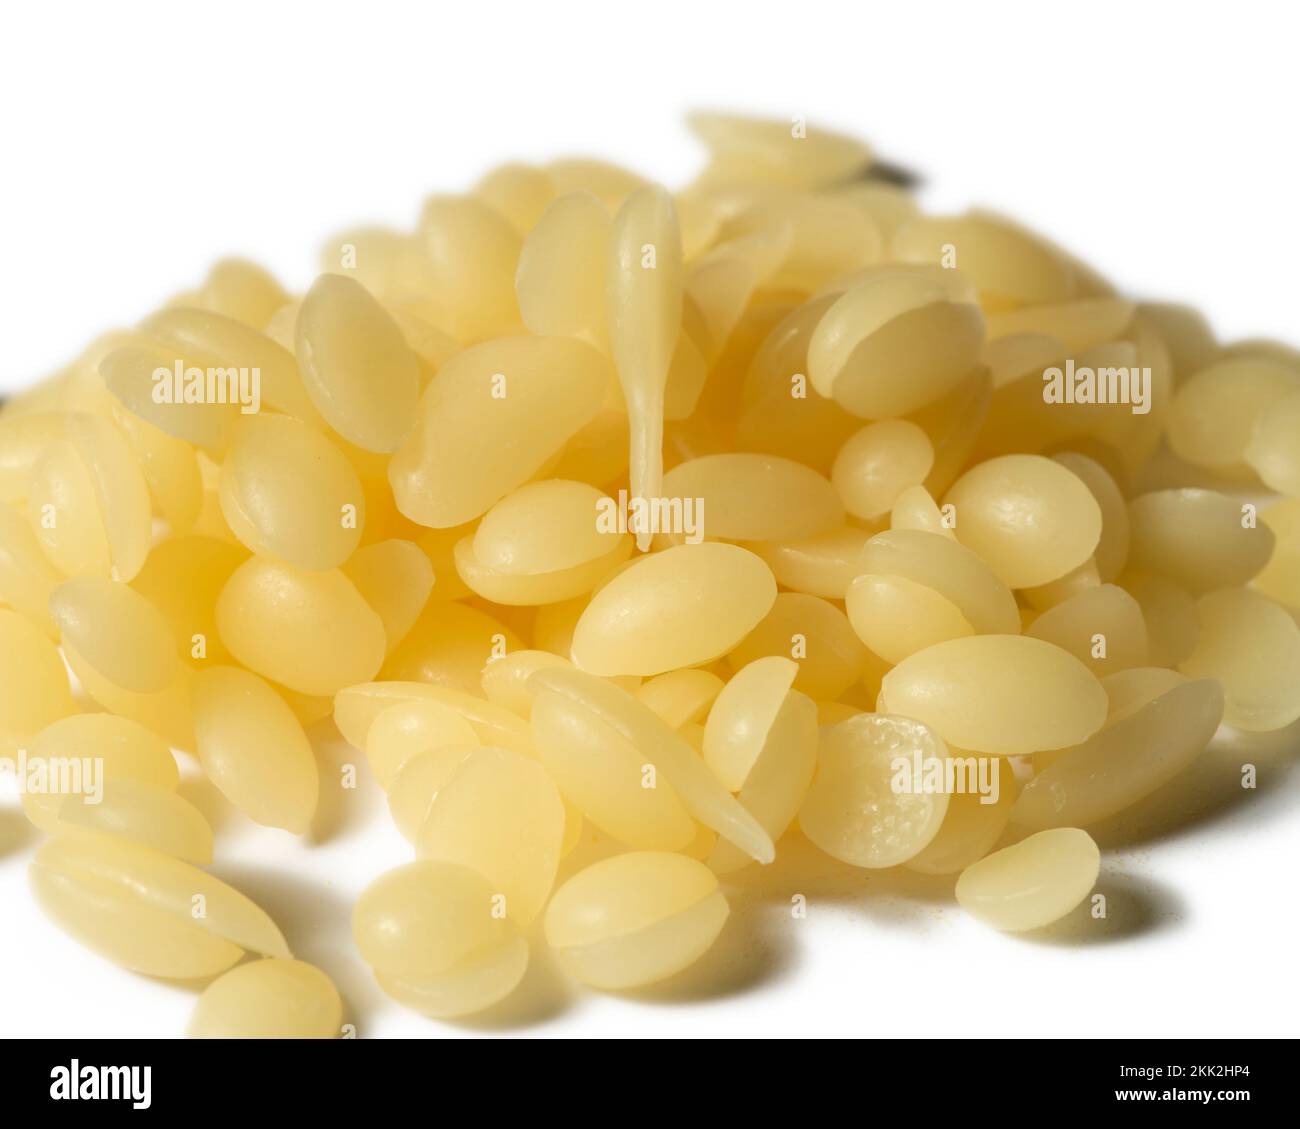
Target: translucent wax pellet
(817,566)
(1111,552)
(115,629)
(472,252)
(1129,690)
(170,467)
(357,707)
(1127,760)
(742,716)
(147,911)
(518,192)
(450,644)
(437,940)
(954,423)
(1031,883)
(878,463)
(269,999)
(499,814)
(1252,647)
(409,729)
(950,569)
(89,502)
(167,712)
(359,371)
(125,750)
(36,690)
(416,785)
(310,631)
(490,420)
(1200,539)
(183,578)
(915,508)
(1280,578)
(643,302)
(1006,262)
(22,439)
(1001,694)
(544,527)
(288,492)
(253,748)
(893,344)
(395,578)
(26,575)
(775,151)
(680,696)
(971,826)
(1273,451)
(142,813)
(896,617)
(1030,518)
(231,343)
(1215,411)
(1077,325)
(856,811)
(243,290)
(505,680)
(756,497)
(813,632)
(560,279)
(778,781)
(584,700)
(1186,333)
(684,606)
(1103,627)
(635,919)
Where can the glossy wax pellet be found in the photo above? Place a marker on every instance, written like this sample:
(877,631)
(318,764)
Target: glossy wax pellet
(635,919)
(1103,627)
(1200,539)
(1031,883)
(269,999)
(36,684)
(115,629)
(311,631)
(148,912)
(253,748)
(1003,694)
(817,635)
(742,716)
(682,607)
(437,940)
(358,369)
(866,806)
(1029,518)
(878,463)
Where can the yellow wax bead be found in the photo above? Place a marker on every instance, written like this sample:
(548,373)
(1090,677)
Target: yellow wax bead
(635,919)
(183,578)
(1031,883)
(472,252)
(682,607)
(973,823)
(742,716)
(680,696)
(1200,539)
(253,748)
(115,629)
(269,999)
(311,631)
(26,575)
(395,578)
(878,463)
(1102,627)
(560,279)
(36,690)
(357,707)
(359,371)
(824,565)
(436,940)
(896,617)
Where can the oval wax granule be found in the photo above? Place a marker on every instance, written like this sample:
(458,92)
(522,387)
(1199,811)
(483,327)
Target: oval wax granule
(560,280)
(146,911)
(742,715)
(915,508)
(310,631)
(1001,694)
(545,527)
(269,999)
(635,919)
(878,463)
(680,696)
(1125,761)
(1031,519)
(359,371)
(756,497)
(1112,547)
(681,607)
(893,344)
(1280,579)
(1215,411)
(253,748)
(142,813)
(499,814)
(396,579)
(817,566)
(866,806)
(817,635)
(588,698)
(36,690)
(406,730)
(971,826)
(1031,883)
(1274,448)
(1252,647)
(896,617)
(1103,627)
(1200,539)
(489,421)
(357,707)
(27,577)
(433,936)
(115,629)
(472,254)
(288,492)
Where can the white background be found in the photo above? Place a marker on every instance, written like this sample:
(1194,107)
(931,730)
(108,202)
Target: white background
(141,141)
